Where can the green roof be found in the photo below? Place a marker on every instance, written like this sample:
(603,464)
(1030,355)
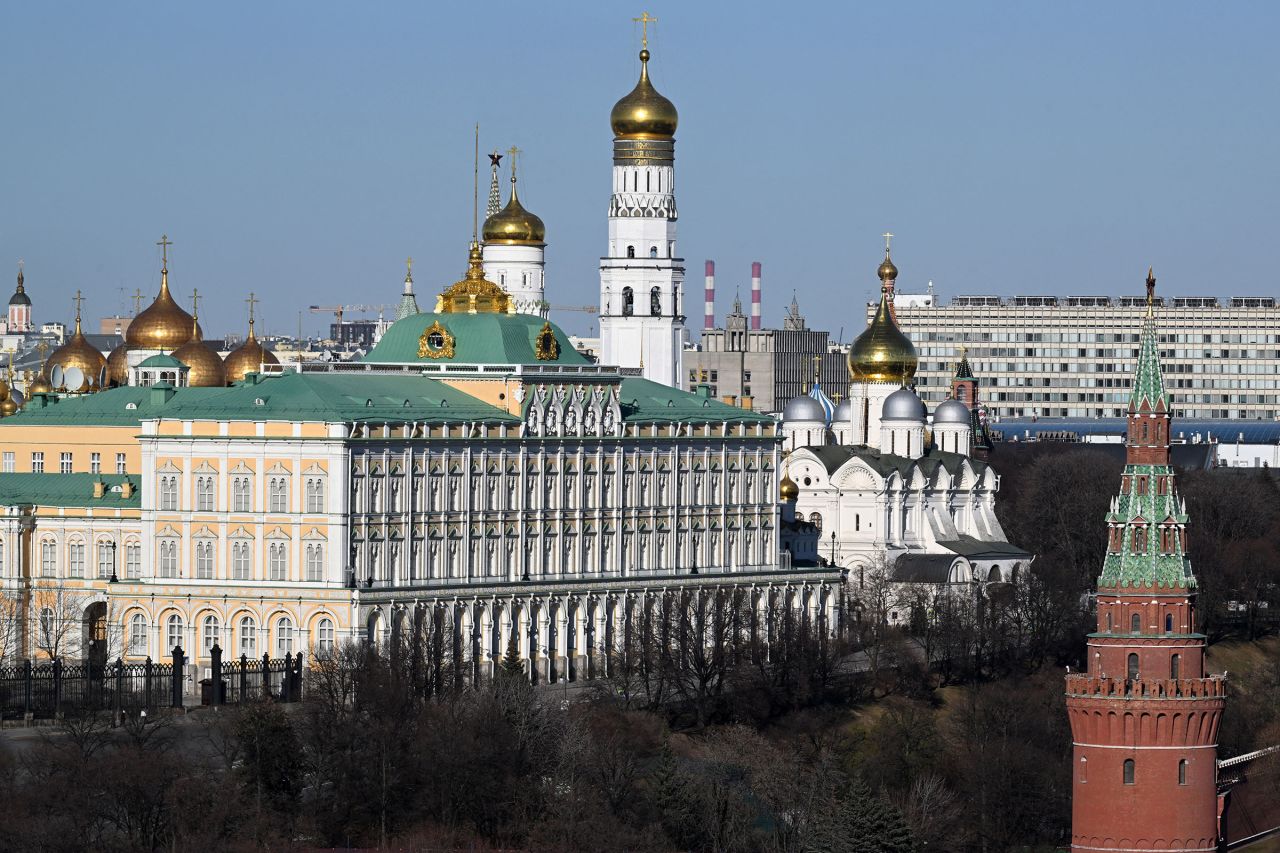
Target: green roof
(162,361)
(647,401)
(123,406)
(66,490)
(477,339)
(334,397)
(1148,381)
(1131,510)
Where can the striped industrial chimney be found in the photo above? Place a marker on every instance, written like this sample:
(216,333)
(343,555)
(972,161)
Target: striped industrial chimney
(709,321)
(755,296)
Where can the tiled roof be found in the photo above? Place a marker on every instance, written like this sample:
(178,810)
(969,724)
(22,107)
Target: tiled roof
(477,339)
(66,490)
(647,401)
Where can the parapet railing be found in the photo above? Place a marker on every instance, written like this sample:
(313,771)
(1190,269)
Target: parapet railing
(1083,684)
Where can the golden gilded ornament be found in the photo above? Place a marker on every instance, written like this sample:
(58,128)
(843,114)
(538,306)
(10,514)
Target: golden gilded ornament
(514,226)
(164,325)
(474,294)
(205,367)
(37,384)
(644,113)
(436,342)
(78,353)
(118,366)
(547,347)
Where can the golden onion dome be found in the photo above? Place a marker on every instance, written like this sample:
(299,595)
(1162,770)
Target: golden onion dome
(8,407)
(37,384)
(643,113)
(205,367)
(882,353)
(513,225)
(78,353)
(474,294)
(787,489)
(887,270)
(118,366)
(164,325)
(247,358)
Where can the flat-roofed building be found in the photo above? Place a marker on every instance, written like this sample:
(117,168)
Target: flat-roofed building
(1074,356)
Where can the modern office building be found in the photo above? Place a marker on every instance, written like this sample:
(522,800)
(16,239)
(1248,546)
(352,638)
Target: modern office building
(1074,357)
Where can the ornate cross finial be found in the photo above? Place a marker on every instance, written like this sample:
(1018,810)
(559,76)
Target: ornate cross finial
(513,151)
(644,21)
(195,302)
(252,300)
(408,268)
(42,347)
(78,299)
(1151,289)
(137,299)
(887,240)
(817,368)
(164,245)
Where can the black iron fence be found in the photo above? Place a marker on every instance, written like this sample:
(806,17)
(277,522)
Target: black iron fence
(48,688)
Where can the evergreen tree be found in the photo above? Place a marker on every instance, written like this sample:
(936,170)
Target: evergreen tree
(511,664)
(856,820)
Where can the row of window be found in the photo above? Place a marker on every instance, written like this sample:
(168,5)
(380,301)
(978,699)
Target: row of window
(1129,771)
(241,568)
(65,462)
(241,494)
(77,553)
(246,636)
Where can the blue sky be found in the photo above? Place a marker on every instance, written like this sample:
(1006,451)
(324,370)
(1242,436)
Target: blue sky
(302,150)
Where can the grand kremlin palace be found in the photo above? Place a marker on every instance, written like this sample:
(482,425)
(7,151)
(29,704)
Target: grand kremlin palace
(473,461)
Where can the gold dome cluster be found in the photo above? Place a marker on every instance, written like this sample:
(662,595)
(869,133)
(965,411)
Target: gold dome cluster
(250,356)
(513,225)
(79,355)
(882,353)
(644,113)
(163,325)
(205,367)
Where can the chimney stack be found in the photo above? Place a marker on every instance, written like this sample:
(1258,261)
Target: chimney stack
(755,296)
(709,321)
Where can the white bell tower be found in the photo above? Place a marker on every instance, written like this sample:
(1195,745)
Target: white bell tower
(641,278)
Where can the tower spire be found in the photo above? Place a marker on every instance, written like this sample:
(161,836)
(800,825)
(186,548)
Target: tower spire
(495,196)
(408,302)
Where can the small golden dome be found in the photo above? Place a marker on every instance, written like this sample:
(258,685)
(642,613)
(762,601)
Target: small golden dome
(205,367)
(118,366)
(7,406)
(249,357)
(643,113)
(4,390)
(474,294)
(887,270)
(788,489)
(882,353)
(164,325)
(513,225)
(77,352)
(37,384)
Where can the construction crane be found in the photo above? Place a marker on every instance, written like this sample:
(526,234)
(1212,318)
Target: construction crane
(585,309)
(338,310)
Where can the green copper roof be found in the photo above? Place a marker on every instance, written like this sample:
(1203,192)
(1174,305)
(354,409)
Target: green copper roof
(963,370)
(162,360)
(646,401)
(1148,566)
(337,397)
(1148,381)
(124,406)
(66,490)
(477,339)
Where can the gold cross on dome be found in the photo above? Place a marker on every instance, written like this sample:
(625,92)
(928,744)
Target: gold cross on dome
(252,300)
(137,299)
(644,21)
(21,264)
(78,299)
(195,302)
(513,151)
(164,245)
(408,263)
(887,238)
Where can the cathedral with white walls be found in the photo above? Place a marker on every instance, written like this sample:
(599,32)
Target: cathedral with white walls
(888,486)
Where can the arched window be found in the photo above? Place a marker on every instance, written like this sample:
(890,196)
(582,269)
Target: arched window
(204,494)
(240,565)
(631,251)
(48,627)
(133,560)
(204,560)
(248,636)
(284,636)
(324,637)
(315,494)
(1135,624)
(1175,666)
(137,634)
(1182,772)
(1128,771)
(815,519)
(1084,769)
(209,632)
(241,496)
(653,251)
(1109,622)
(75,559)
(655,301)
(1168,623)
(172,633)
(277,561)
(315,562)
(628,302)
(168,493)
(1132,673)
(168,558)
(279,495)
(48,558)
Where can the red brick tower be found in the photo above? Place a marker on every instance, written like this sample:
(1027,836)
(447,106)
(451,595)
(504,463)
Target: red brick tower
(1144,718)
